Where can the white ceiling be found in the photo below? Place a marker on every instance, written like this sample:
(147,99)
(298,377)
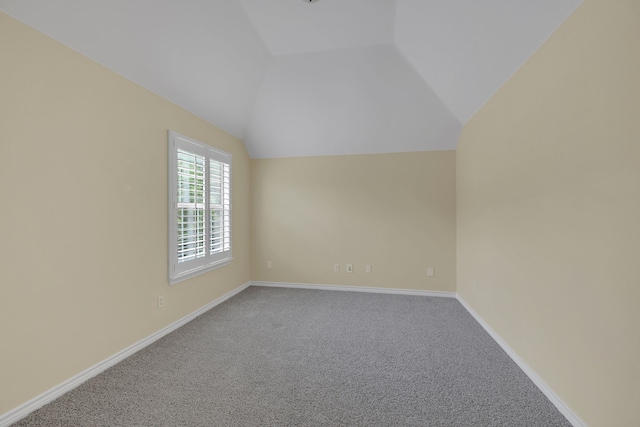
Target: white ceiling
(293,26)
(203,55)
(348,101)
(299,79)
(467,49)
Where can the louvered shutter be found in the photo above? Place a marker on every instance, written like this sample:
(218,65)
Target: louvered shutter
(191,212)
(200,207)
(220,204)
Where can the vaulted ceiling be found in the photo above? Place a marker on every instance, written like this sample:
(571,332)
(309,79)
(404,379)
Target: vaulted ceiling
(293,78)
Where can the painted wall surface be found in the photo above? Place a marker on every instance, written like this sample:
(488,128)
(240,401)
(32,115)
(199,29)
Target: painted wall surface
(83,224)
(395,212)
(548,176)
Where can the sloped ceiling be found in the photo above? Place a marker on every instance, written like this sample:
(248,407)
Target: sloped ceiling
(467,49)
(289,27)
(293,78)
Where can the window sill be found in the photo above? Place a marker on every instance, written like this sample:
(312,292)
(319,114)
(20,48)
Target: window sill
(198,271)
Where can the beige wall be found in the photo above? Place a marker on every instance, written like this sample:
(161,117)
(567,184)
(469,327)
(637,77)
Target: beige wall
(83,224)
(547,194)
(395,212)
(548,176)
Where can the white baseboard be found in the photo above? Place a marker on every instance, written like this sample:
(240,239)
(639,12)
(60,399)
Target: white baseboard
(48,396)
(544,388)
(25,409)
(356,289)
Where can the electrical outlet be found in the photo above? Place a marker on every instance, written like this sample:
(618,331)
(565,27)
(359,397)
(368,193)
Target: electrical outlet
(349,268)
(430,272)
(336,268)
(269,265)
(161,301)
(367,269)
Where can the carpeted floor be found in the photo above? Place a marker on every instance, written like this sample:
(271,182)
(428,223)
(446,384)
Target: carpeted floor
(294,357)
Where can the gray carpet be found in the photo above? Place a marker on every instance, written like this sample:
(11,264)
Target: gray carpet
(294,357)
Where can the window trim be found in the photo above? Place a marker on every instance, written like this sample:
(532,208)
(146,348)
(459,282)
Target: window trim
(209,261)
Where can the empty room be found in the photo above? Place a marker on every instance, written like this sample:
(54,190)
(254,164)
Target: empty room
(320,213)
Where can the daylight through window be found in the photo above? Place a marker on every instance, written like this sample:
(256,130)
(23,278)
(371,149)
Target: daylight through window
(200,207)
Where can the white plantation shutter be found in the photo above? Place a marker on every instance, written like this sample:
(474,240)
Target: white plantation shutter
(199,208)
(220,204)
(190,206)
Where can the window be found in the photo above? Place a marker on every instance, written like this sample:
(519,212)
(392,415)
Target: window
(199,208)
